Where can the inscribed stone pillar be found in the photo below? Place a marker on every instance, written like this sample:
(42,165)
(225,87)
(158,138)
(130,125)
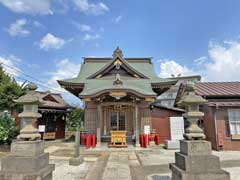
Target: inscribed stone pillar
(27,160)
(77,159)
(195,160)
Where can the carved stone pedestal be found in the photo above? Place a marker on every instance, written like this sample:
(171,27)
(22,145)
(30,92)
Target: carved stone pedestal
(196,162)
(27,161)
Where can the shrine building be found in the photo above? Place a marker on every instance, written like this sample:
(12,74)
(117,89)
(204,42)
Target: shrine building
(117,93)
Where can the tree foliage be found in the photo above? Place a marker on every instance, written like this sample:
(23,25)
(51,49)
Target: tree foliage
(9,90)
(75,119)
(8,129)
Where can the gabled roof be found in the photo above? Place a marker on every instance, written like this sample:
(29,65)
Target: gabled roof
(117,59)
(51,100)
(91,67)
(218,89)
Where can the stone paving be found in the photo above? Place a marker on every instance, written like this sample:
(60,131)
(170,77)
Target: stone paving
(124,163)
(118,166)
(65,172)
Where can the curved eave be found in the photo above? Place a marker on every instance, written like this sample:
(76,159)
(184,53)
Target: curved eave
(93,95)
(74,88)
(162,87)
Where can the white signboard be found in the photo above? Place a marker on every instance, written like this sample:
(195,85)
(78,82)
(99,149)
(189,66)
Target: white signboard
(41,128)
(147,129)
(177,128)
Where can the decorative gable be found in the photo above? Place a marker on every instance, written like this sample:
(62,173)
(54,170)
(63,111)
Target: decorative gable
(49,98)
(118,65)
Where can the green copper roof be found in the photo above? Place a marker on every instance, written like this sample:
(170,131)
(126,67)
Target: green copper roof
(140,85)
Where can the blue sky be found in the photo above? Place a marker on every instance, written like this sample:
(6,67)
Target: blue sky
(47,39)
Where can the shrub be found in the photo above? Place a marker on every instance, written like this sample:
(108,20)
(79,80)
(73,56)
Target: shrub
(8,129)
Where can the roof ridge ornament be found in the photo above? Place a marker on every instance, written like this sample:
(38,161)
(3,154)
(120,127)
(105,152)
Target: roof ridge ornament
(117,52)
(118,81)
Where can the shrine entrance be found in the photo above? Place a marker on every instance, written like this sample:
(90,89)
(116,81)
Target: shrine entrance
(118,120)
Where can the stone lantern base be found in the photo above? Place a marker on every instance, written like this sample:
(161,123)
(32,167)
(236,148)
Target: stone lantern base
(196,162)
(27,161)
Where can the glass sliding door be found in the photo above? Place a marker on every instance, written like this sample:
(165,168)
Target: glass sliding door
(117,120)
(121,121)
(114,120)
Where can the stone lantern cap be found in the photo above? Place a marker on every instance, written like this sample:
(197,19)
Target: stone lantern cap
(29,97)
(191,97)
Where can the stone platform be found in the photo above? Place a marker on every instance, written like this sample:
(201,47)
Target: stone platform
(172,144)
(27,161)
(196,162)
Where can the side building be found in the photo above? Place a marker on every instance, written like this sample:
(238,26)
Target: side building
(54,111)
(222,113)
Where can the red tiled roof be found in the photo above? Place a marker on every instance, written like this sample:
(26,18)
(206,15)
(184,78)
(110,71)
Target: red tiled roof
(225,104)
(218,89)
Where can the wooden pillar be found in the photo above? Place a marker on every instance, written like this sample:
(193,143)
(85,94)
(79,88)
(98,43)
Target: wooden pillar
(99,122)
(105,122)
(137,121)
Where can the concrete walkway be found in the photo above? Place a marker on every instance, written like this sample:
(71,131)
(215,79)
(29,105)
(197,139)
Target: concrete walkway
(117,166)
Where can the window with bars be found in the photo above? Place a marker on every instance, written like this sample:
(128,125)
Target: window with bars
(234,121)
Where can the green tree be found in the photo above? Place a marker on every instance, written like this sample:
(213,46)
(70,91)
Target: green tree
(75,119)
(9,90)
(8,129)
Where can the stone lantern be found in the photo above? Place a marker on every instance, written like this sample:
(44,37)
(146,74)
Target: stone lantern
(195,160)
(30,114)
(27,160)
(191,102)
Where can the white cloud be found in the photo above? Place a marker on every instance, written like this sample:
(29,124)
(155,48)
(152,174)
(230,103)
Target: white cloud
(65,69)
(17,28)
(224,64)
(10,65)
(91,8)
(82,27)
(49,41)
(89,37)
(169,68)
(37,24)
(221,64)
(85,28)
(118,19)
(200,61)
(33,7)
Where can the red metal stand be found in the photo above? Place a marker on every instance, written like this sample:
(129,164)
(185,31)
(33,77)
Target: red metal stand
(157,139)
(93,138)
(82,139)
(88,141)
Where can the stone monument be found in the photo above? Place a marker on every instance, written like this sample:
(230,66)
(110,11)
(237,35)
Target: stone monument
(195,160)
(176,131)
(77,159)
(27,160)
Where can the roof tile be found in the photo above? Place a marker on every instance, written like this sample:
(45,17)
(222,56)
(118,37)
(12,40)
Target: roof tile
(218,88)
